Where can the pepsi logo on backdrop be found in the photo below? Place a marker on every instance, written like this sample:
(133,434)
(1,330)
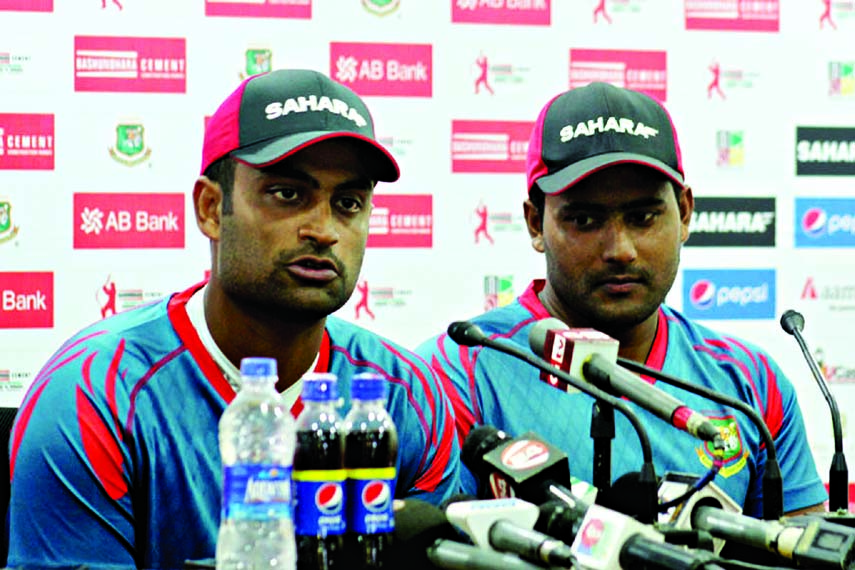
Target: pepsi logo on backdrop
(825,222)
(729,293)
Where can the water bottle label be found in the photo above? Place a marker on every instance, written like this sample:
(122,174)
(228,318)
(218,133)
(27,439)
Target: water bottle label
(319,502)
(257,492)
(370,493)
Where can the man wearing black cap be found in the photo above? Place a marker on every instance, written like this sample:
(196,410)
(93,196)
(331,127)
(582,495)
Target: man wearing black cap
(115,460)
(609,209)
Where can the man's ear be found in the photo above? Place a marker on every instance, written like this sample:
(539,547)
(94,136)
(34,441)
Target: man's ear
(208,204)
(686,203)
(534,221)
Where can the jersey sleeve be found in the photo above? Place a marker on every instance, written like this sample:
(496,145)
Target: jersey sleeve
(802,485)
(70,478)
(429,453)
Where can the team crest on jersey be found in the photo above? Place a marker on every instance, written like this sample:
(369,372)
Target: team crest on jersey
(735,454)
(130,148)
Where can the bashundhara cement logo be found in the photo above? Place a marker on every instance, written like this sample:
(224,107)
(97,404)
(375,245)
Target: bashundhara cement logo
(130,148)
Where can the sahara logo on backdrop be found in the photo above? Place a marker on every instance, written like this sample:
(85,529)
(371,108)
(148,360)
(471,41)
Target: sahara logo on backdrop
(402,70)
(130,65)
(498,291)
(825,151)
(733,222)
(259,8)
(130,147)
(841,78)
(128,221)
(742,15)
(8,229)
(730,148)
(401,220)
(27,5)
(825,222)
(644,71)
(729,293)
(26,141)
(26,300)
(508,12)
(489,146)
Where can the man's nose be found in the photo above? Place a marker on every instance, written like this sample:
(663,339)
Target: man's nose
(319,225)
(618,243)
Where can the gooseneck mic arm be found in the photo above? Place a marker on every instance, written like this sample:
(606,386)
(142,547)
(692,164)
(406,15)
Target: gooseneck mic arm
(466,333)
(773,489)
(838,487)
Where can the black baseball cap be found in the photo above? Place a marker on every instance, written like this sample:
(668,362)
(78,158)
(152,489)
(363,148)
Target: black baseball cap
(272,115)
(589,128)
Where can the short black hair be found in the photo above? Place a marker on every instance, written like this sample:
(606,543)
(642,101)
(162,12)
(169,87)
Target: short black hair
(222,171)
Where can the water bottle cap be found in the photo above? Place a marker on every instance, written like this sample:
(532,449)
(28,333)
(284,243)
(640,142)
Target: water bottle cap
(320,387)
(257,366)
(368,386)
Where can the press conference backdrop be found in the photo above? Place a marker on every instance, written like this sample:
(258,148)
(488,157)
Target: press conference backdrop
(103,105)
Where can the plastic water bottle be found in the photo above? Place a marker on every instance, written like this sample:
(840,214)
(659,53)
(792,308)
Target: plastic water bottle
(319,478)
(257,448)
(370,451)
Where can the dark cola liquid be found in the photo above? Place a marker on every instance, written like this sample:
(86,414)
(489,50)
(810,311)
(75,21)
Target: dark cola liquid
(320,450)
(361,450)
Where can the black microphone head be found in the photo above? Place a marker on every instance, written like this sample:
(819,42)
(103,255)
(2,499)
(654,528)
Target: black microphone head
(418,524)
(537,334)
(466,333)
(792,321)
(626,495)
(480,440)
(560,520)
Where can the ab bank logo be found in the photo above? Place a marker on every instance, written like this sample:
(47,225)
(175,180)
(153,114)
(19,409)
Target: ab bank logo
(729,293)
(130,148)
(841,78)
(8,230)
(26,300)
(259,8)
(730,149)
(128,221)
(506,12)
(396,70)
(825,222)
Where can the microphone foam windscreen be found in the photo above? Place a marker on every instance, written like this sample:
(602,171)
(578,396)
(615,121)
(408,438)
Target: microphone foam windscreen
(480,440)
(418,524)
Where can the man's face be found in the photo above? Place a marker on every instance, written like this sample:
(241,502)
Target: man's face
(295,239)
(612,245)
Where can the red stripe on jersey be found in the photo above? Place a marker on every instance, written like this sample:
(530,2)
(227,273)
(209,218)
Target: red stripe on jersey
(774,416)
(101,447)
(469,368)
(464,417)
(656,356)
(110,384)
(87,371)
(742,367)
(178,316)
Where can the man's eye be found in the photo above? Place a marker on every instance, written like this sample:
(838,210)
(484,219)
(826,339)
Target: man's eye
(581,220)
(285,194)
(642,218)
(350,204)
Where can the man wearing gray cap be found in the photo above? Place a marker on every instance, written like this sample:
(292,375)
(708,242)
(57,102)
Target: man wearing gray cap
(114,455)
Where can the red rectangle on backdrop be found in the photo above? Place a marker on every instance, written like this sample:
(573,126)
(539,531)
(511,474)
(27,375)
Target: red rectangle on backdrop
(513,13)
(733,15)
(399,220)
(396,70)
(26,141)
(130,65)
(27,5)
(645,71)
(128,221)
(260,8)
(489,146)
(26,300)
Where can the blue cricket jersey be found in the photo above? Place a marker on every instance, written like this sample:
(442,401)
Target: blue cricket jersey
(114,454)
(488,387)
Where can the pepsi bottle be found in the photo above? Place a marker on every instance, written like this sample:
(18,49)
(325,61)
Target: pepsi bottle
(371,451)
(319,477)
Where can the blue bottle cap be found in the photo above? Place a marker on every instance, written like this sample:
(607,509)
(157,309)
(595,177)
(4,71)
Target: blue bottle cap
(257,366)
(368,386)
(320,387)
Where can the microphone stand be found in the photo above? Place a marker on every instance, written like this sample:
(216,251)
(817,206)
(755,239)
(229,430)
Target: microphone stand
(838,486)
(773,487)
(602,432)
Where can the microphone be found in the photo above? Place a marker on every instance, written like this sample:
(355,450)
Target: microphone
(525,467)
(838,487)
(773,490)
(506,525)
(418,525)
(467,333)
(807,540)
(594,354)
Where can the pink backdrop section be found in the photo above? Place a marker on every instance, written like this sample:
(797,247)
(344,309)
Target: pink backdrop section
(102,109)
